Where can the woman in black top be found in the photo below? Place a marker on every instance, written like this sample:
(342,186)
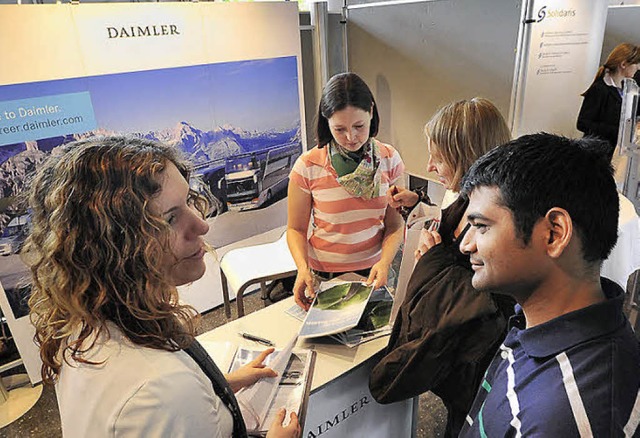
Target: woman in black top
(600,112)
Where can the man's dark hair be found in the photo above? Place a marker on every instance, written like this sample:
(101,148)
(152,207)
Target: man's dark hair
(342,90)
(535,173)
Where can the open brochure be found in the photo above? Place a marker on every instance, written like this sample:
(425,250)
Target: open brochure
(351,325)
(260,402)
(337,307)
(374,322)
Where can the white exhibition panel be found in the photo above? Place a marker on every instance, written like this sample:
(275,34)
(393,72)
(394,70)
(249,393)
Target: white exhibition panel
(562,41)
(418,57)
(204,33)
(64,43)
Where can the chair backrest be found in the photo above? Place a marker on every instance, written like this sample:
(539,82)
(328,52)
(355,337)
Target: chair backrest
(11,303)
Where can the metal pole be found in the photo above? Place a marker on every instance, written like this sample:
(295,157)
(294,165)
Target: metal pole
(520,67)
(319,21)
(345,43)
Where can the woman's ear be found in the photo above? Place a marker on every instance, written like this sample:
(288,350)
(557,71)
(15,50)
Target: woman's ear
(560,231)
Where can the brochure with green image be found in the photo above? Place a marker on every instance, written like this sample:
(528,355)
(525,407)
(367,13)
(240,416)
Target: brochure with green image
(372,324)
(338,307)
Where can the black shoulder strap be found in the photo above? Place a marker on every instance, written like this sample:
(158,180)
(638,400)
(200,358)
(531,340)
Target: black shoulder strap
(220,386)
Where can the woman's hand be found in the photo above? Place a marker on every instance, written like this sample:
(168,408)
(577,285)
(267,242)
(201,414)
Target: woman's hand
(251,372)
(428,239)
(303,289)
(277,430)
(298,214)
(378,275)
(401,197)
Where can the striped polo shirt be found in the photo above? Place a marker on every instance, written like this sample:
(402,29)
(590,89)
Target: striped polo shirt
(346,231)
(577,375)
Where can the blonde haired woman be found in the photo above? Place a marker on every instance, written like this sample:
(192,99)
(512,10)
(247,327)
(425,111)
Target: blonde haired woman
(600,111)
(446,333)
(115,228)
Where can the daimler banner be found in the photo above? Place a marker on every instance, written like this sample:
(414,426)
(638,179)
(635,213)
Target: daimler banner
(190,75)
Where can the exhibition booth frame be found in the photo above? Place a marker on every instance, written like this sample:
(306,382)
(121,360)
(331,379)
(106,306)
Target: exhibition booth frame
(236,87)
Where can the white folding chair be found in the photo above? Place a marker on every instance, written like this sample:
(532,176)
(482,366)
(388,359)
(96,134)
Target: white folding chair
(244,267)
(19,392)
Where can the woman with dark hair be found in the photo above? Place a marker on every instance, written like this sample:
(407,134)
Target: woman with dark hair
(341,185)
(600,112)
(115,228)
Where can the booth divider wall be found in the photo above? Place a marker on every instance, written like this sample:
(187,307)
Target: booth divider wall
(419,57)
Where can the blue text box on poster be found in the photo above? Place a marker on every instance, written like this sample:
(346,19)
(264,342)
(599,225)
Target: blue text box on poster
(44,117)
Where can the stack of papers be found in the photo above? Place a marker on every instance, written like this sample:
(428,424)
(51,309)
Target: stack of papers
(260,402)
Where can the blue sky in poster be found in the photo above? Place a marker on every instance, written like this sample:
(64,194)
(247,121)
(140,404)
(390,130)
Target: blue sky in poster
(252,95)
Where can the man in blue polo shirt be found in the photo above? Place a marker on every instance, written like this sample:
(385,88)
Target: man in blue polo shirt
(544,213)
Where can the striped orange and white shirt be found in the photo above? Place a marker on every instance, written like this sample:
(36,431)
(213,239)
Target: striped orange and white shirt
(346,231)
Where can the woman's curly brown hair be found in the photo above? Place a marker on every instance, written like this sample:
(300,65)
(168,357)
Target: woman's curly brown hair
(96,247)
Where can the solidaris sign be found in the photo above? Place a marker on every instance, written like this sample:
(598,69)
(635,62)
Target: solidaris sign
(153,30)
(561,46)
(554,13)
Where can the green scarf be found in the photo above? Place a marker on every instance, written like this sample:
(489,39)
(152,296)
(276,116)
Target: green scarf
(357,171)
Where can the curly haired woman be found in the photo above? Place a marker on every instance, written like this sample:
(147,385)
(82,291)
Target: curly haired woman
(115,228)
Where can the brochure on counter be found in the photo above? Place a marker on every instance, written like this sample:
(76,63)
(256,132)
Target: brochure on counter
(347,311)
(260,402)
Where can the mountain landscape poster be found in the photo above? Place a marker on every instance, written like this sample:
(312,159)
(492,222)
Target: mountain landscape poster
(237,122)
(224,117)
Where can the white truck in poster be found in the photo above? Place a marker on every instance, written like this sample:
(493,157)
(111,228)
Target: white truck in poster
(14,235)
(254,178)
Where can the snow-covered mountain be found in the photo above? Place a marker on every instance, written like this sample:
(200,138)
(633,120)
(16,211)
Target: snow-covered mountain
(18,160)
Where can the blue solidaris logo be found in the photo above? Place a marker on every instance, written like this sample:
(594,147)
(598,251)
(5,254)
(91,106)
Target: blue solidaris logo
(542,13)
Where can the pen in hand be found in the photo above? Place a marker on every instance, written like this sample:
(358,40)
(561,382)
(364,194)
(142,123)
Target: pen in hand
(395,191)
(257,339)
